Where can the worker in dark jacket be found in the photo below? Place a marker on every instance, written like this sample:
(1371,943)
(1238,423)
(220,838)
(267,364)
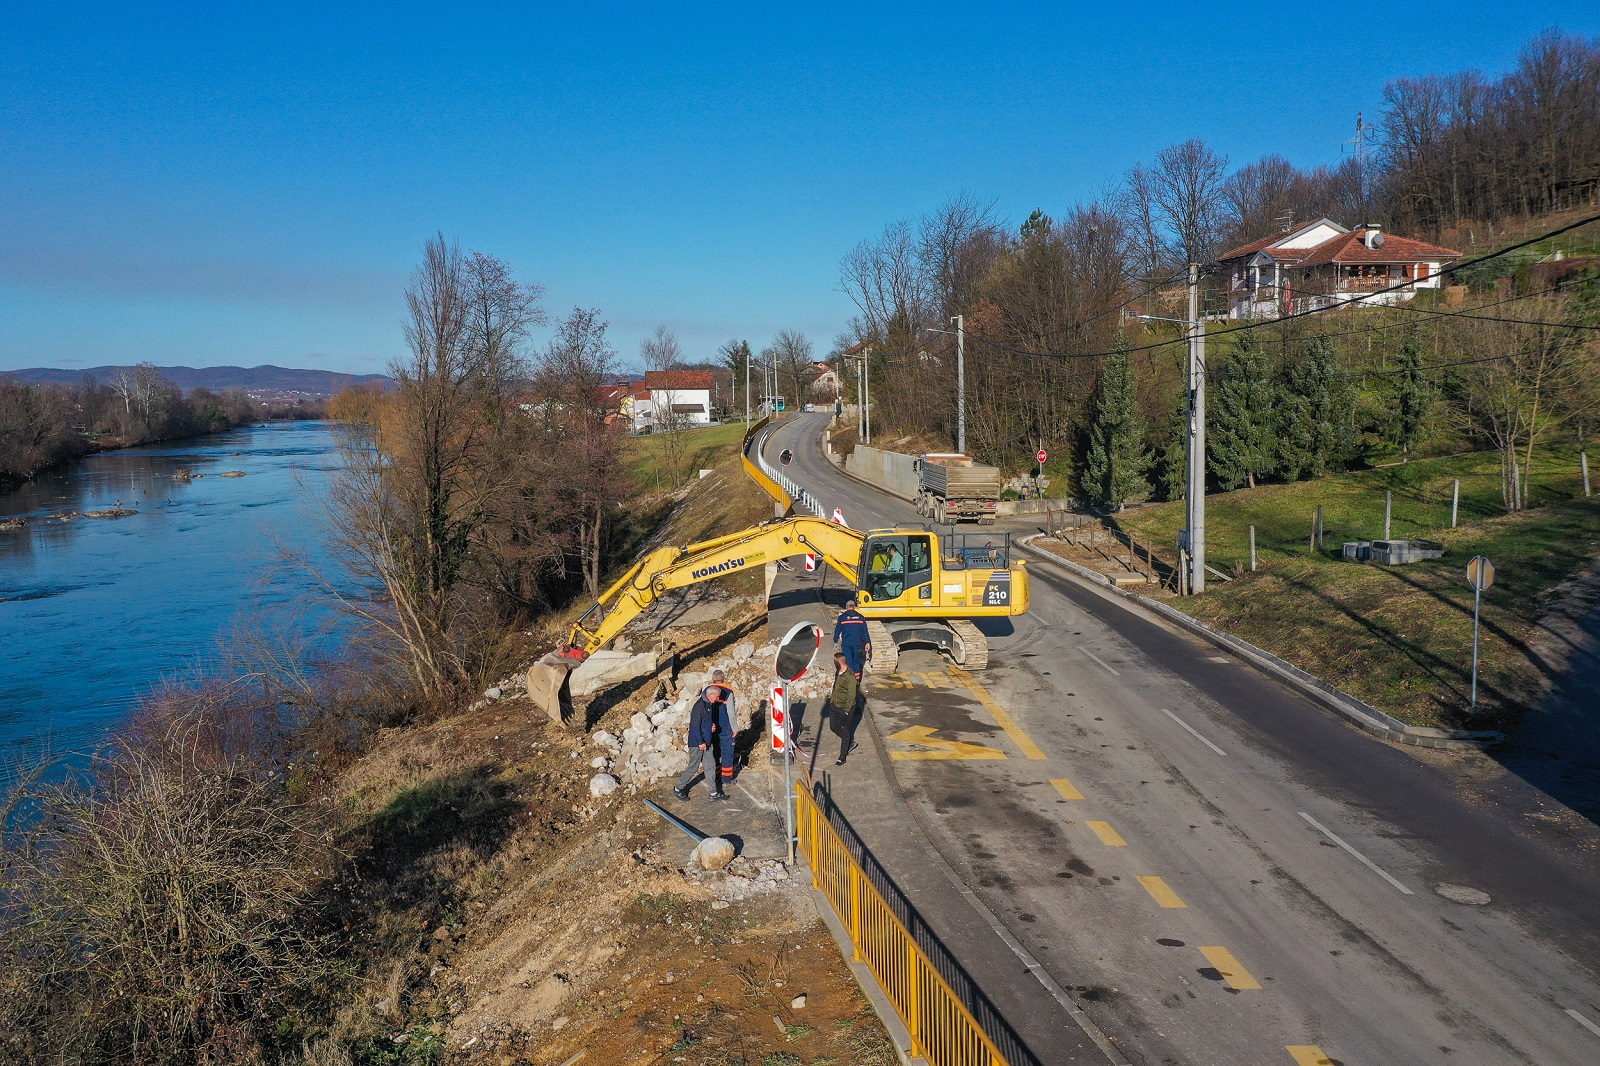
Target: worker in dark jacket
(851,635)
(710,739)
(844,706)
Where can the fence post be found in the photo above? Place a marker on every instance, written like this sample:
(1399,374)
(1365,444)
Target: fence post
(1388,511)
(911,995)
(855,910)
(1319,527)
(1455,501)
(1252,548)
(1583,458)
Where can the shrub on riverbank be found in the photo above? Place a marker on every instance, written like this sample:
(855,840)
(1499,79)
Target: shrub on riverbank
(45,425)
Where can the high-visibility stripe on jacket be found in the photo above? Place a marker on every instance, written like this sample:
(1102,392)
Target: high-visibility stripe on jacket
(851,628)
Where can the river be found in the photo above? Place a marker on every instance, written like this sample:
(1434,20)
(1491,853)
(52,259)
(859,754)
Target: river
(94,612)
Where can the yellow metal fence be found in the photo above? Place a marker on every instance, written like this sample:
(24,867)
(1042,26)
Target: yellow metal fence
(942,1030)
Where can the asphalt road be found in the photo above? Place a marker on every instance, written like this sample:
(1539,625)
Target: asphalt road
(1219,869)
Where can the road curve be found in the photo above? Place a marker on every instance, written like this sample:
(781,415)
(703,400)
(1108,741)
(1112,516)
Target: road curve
(1219,869)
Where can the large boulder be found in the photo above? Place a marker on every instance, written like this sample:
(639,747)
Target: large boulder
(601,785)
(712,853)
(604,669)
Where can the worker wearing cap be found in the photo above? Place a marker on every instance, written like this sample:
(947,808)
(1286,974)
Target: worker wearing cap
(850,633)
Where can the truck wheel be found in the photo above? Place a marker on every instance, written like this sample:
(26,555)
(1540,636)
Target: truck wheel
(938,513)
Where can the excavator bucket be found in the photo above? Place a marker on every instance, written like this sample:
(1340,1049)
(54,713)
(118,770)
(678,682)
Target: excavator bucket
(547,684)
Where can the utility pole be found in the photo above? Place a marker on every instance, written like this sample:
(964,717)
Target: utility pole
(961,386)
(747,388)
(1195,504)
(866,384)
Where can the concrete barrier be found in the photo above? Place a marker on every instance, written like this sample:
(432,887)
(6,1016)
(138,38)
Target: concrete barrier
(886,470)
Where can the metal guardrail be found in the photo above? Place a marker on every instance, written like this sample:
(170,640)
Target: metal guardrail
(942,1029)
(796,494)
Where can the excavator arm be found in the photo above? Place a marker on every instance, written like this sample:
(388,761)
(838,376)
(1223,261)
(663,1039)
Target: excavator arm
(675,568)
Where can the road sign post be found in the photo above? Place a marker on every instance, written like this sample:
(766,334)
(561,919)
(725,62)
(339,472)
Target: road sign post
(796,653)
(1480,575)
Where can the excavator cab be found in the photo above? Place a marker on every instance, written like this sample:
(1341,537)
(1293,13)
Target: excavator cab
(898,567)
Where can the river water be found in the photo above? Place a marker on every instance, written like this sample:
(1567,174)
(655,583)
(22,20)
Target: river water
(94,612)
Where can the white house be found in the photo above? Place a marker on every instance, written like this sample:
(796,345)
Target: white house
(671,397)
(1322,263)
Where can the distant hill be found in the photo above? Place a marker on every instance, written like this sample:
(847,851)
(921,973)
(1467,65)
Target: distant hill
(266,378)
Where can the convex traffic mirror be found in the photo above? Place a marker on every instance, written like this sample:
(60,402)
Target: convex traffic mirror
(798,651)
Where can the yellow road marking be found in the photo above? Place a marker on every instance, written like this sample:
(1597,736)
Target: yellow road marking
(1162,894)
(1064,787)
(1009,724)
(945,749)
(893,680)
(1228,966)
(1308,1055)
(1108,836)
(934,680)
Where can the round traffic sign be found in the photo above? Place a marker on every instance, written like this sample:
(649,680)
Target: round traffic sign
(1042,456)
(1480,573)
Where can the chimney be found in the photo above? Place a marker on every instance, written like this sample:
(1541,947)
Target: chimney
(1372,235)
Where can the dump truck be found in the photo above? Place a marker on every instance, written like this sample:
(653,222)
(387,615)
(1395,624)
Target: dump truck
(953,488)
(916,587)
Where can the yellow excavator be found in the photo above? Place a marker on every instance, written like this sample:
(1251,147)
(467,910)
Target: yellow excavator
(914,585)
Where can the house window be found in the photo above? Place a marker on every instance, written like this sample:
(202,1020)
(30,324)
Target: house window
(1405,270)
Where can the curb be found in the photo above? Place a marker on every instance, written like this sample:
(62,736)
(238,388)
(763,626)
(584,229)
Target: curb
(1362,715)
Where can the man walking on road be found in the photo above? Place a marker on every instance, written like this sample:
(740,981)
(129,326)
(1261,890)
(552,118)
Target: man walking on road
(710,735)
(850,633)
(844,712)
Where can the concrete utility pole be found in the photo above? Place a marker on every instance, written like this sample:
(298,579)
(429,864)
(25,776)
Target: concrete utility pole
(1196,502)
(961,385)
(747,388)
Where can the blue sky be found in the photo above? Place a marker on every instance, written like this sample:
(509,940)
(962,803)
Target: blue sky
(196,186)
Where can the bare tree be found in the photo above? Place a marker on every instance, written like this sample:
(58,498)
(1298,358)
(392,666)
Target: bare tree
(790,353)
(411,499)
(1187,187)
(661,353)
(589,477)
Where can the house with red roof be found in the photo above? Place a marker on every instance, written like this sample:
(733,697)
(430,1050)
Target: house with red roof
(671,399)
(1323,264)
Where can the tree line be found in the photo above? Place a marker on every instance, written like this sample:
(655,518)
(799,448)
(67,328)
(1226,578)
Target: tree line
(42,425)
(1064,286)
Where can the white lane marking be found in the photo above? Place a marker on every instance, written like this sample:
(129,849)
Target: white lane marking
(1197,736)
(1097,659)
(1368,863)
(1585,1022)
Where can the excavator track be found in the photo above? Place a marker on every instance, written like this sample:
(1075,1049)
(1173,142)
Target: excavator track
(974,645)
(885,652)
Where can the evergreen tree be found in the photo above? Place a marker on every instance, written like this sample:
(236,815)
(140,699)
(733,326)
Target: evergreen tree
(1243,434)
(1172,468)
(1319,414)
(1413,397)
(1117,461)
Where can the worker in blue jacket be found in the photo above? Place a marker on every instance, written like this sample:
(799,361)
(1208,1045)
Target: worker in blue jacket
(710,739)
(850,633)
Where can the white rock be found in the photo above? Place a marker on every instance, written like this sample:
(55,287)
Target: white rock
(493,694)
(605,740)
(603,785)
(712,853)
(600,762)
(742,652)
(798,1002)
(640,722)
